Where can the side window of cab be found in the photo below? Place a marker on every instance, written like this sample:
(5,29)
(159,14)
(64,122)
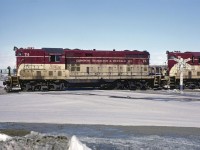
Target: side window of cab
(54,58)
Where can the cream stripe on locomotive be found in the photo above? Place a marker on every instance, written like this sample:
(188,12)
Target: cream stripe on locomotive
(193,73)
(42,71)
(80,71)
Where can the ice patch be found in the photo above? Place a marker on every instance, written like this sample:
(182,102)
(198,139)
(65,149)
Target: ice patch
(4,137)
(75,144)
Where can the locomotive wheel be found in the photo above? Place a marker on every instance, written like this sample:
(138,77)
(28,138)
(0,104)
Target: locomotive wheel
(23,87)
(143,85)
(62,87)
(132,86)
(8,89)
(192,86)
(50,87)
(28,87)
(105,86)
(120,86)
(37,88)
(66,85)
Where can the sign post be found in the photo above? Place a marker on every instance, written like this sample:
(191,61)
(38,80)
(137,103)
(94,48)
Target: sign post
(181,66)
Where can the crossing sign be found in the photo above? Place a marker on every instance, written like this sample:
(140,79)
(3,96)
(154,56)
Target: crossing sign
(181,66)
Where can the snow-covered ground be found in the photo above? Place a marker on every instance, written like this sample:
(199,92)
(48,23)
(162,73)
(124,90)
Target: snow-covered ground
(4,137)
(115,107)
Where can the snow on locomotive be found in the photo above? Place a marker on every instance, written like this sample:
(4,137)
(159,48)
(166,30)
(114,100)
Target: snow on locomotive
(57,69)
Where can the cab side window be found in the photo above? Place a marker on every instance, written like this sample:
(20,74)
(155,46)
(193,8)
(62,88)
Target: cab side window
(54,58)
(193,59)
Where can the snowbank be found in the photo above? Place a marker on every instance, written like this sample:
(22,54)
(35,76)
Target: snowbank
(34,140)
(4,137)
(75,144)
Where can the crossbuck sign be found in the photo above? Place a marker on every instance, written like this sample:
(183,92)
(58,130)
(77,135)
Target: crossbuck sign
(181,66)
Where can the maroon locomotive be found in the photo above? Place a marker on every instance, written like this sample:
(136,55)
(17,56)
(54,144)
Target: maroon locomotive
(57,68)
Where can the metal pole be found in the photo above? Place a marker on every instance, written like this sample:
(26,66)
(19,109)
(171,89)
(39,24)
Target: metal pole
(181,81)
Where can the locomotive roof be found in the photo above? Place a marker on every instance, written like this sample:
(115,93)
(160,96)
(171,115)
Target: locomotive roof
(185,53)
(53,50)
(61,50)
(94,50)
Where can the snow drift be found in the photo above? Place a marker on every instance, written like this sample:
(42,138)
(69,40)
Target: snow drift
(4,137)
(75,144)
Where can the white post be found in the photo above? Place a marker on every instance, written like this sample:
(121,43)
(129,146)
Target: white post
(181,81)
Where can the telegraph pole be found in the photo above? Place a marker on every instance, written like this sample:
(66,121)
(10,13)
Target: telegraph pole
(181,66)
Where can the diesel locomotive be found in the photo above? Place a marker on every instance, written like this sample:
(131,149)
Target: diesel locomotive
(59,69)
(191,74)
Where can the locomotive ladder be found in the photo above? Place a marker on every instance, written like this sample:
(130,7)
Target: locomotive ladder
(157,81)
(172,82)
(14,80)
(13,83)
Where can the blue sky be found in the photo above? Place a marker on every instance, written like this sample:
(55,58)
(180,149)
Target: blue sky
(152,25)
